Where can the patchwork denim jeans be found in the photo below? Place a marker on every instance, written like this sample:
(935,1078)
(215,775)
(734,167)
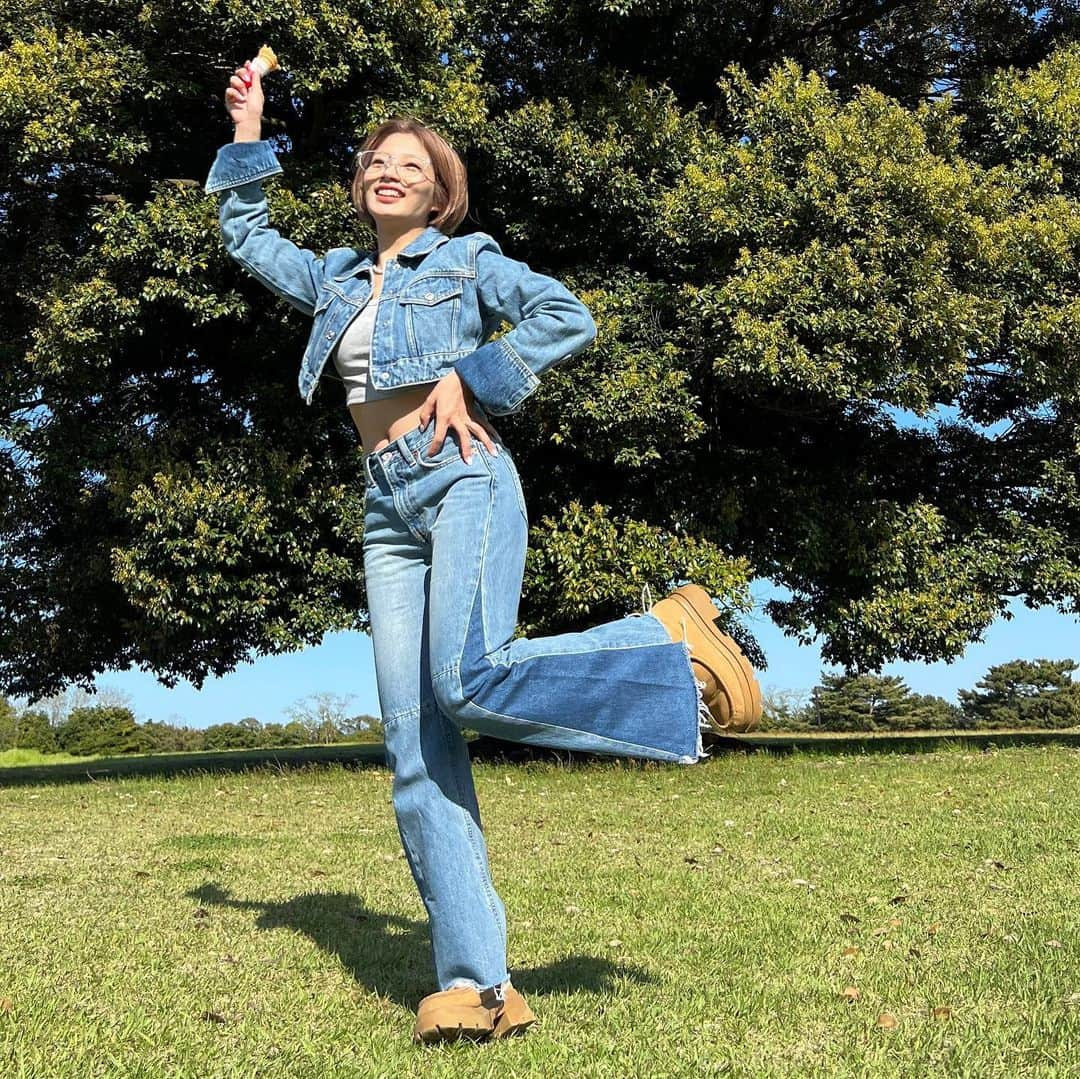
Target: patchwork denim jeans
(444,555)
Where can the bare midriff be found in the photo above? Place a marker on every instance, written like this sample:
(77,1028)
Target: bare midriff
(380,422)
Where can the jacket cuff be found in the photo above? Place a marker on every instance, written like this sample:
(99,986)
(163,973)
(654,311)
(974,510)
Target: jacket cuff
(497,376)
(239,163)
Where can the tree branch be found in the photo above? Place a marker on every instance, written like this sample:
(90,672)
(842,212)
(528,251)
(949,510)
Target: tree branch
(839,22)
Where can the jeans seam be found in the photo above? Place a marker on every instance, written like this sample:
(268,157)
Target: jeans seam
(515,481)
(406,507)
(585,651)
(470,828)
(416,863)
(477,587)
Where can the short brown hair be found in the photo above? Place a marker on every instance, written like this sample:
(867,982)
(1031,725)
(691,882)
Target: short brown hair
(451,182)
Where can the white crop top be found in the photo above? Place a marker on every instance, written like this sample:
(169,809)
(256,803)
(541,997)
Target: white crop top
(352,358)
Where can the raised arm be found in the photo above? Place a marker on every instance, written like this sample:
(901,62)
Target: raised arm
(289,271)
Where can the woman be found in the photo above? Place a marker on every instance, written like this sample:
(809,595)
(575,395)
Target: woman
(408,328)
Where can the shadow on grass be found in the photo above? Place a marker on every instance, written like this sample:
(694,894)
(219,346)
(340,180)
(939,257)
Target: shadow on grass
(390,955)
(492,749)
(372,755)
(911,742)
(349,755)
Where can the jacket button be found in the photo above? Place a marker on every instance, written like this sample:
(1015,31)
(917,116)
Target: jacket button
(329,335)
(429,295)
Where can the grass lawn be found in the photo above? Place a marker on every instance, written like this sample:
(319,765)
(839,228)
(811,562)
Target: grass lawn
(754,915)
(23,758)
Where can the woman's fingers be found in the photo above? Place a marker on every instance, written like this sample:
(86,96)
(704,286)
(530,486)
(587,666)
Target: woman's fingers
(427,410)
(448,404)
(484,433)
(461,429)
(441,424)
(244,96)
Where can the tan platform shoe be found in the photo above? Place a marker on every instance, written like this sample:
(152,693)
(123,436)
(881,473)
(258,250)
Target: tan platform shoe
(452,1014)
(464,1013)
(731,692)
(515,1016)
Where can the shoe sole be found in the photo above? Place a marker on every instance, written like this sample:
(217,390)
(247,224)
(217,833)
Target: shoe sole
(443,1032)
(695,601)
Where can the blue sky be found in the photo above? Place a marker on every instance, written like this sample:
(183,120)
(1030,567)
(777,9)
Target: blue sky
(344,664)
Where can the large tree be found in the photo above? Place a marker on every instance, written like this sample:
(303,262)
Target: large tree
(831,249)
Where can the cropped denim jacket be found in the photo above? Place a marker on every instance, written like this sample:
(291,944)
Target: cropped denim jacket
(442,297)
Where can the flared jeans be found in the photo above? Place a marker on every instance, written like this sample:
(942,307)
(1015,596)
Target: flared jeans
(444,555)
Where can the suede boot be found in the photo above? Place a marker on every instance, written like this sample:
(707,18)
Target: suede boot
(465,1013)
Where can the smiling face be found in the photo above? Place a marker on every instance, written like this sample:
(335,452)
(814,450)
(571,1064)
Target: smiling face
(396,193)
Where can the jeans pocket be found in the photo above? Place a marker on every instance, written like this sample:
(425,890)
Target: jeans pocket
(449,452)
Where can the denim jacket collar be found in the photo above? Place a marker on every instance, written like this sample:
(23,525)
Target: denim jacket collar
(424,244)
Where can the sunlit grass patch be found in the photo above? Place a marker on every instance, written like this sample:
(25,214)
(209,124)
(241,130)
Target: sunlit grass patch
(753,915)
(15,758)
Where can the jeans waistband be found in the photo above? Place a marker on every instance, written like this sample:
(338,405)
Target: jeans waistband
(408,446)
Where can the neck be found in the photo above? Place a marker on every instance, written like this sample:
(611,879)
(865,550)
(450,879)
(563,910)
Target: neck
(394,239)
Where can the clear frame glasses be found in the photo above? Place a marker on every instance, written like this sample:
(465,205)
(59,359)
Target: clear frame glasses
(411,168)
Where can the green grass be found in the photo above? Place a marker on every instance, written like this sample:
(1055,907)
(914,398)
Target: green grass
(25,758)
(663,921)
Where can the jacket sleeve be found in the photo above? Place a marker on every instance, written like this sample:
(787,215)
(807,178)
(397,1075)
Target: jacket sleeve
(549,322)
(289,271)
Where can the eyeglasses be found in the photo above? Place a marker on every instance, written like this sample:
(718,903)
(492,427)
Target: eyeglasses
(411,168)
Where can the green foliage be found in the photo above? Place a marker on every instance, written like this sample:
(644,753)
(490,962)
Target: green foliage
(1034,119)
(870,702)
(285,734)
(168,738)
(63,92)
(837,315)
(33,731)
(221,559)
(587,564)
(103,730)
(784,710)
(1025,693)
(109,729)
(232,736)
(28,729)
(9,719)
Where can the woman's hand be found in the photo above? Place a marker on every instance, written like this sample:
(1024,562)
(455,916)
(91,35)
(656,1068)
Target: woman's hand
(243,102)
(449,402)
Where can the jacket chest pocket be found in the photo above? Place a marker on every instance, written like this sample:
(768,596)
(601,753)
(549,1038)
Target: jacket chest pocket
(431,314)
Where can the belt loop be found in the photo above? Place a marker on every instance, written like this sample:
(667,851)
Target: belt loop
(410,453)
(367,469)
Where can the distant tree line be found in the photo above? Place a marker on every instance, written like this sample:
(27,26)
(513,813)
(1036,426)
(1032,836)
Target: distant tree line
(78,724)
(1025,694)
